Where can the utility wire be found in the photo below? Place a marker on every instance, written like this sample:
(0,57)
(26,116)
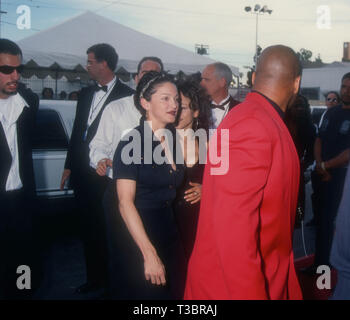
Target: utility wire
(192,12)
(45,6)
(216,14)
(14,24)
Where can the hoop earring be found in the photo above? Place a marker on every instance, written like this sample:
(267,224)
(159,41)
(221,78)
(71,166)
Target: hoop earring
(195,124)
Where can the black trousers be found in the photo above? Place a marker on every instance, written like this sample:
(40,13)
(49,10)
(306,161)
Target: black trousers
(331,193)
(89,194)
(316,197)
(112,219)
(18,245)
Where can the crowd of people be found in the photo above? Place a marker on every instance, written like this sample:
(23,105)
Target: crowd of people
(183,192)
(48,94)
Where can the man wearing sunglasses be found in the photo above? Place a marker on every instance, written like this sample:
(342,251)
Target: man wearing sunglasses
(332,100)
(18,107)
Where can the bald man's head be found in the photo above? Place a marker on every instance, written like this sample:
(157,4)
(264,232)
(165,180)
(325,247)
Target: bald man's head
(278,73)
(278,63)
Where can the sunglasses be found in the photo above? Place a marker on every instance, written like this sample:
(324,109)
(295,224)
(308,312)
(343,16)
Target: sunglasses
(9,69)
(332,100)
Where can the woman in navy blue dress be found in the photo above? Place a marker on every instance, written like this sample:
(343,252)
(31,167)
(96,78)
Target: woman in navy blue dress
(149,252)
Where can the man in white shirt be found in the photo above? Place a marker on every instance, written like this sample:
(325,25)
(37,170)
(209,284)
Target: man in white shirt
(118,117)
(18,107)
(88,186)
(216,79)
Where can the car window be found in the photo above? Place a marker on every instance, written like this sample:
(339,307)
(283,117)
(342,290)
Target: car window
(310,93)
(49,133)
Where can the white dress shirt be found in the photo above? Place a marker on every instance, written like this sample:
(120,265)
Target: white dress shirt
(98,100)
(118,118)
(218,114)
(10,110)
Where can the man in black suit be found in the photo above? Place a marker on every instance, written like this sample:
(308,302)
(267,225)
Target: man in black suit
(88,186)
(18,107)
(216,80)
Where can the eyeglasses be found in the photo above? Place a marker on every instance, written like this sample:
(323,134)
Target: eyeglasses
(9,69)
(332,100)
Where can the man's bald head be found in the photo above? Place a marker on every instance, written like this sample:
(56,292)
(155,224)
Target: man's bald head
(278,74)
(278,63)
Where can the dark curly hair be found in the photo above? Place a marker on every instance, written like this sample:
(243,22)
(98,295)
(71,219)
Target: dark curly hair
(333,92)
(148,86)
(299,123)
(199,100)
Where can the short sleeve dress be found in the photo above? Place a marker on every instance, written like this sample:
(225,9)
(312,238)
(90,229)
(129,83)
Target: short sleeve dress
(156,186)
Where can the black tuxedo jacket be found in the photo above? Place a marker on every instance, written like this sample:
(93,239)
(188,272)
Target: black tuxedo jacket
(233,103)
(25,126)
(77,159)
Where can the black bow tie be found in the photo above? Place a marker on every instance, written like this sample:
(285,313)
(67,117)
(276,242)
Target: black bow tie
(98,88)
(220,106)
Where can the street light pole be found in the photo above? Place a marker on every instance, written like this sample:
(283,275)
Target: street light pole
(257,11)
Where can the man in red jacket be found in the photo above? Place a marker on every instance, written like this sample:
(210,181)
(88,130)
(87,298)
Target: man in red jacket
(243,247)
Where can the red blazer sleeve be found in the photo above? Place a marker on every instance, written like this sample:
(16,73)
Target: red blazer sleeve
(236,228)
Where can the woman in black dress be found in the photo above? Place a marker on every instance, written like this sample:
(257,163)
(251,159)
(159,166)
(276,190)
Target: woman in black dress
(149,249)
(195,114)
(299,123)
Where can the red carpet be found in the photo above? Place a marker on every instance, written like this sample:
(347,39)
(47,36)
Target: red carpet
(308,282)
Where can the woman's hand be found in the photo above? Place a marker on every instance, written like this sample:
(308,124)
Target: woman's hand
(193,195)
(153,266)
(154,269)
(65,176)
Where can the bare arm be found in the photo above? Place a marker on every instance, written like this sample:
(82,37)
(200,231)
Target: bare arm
(154,268)
(321,170)
(339,161)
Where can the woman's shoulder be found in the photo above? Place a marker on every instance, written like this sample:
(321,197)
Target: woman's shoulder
(131,134)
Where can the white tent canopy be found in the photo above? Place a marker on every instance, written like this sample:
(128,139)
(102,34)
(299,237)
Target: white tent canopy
(66,45)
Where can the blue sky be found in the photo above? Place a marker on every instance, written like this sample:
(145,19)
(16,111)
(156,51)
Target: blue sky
(223,24)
